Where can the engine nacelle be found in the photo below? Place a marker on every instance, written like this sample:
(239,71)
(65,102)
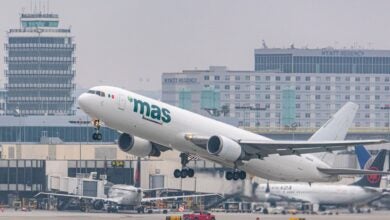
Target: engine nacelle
(137,146)
(224,147)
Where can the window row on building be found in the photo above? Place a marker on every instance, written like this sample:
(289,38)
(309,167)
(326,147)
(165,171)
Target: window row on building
(41,46)
(26,59)
(261,77)
(42,98)
(21,73)
(55,66)
(40,85)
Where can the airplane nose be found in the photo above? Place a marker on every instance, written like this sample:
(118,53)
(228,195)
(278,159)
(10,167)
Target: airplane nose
(82,101)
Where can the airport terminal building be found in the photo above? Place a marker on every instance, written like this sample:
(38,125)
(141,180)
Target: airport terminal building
(290,88)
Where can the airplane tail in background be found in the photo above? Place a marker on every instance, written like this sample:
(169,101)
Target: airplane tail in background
(335,128)
(372,180)
(362,155)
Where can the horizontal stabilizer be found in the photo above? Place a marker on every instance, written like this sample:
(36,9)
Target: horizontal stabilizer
(347,171)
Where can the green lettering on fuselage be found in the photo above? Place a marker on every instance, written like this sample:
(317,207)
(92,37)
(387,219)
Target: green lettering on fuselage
(153,112)
(142,107)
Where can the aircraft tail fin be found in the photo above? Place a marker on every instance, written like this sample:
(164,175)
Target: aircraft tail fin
(377,163)
(362,155)
(335,128)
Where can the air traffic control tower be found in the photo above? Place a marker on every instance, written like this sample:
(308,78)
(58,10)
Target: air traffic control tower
(40,67)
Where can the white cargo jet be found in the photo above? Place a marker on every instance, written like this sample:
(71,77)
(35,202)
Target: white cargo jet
(361,192)
(120,196)
(150,127)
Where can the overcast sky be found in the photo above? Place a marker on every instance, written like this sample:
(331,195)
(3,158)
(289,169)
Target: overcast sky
(129,43)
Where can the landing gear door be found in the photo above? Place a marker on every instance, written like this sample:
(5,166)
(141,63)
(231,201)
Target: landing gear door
(122,102)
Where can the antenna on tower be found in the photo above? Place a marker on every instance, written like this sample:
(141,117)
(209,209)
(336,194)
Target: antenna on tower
(264,44)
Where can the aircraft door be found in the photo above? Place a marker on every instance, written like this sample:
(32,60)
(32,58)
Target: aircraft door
(122,102)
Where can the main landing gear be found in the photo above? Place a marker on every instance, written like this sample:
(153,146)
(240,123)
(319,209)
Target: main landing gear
(185,171)
(235,175)
(97,136)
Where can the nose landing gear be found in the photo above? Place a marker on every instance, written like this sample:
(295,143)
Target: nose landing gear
(97,136)
(185,171)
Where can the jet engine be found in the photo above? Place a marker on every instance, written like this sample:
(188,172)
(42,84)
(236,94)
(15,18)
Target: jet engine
(137,146)
(224,147)
(98,204)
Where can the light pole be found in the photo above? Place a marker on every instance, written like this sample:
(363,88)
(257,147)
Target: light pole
(387,107)
(80,144)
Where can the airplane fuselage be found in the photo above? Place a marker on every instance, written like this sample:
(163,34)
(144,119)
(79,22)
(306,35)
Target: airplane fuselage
(323,194)
(167,125)
(126,195)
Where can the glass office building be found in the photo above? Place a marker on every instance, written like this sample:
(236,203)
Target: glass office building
(327,60)
(277,100)
(40,67)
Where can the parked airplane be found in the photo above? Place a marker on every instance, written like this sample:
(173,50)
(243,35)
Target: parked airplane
(365,190)
(150,127)
(120,196)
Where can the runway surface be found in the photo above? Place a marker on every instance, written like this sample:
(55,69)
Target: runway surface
(38,214)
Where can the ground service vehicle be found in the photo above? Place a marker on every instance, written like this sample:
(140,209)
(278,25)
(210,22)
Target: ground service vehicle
(199,215)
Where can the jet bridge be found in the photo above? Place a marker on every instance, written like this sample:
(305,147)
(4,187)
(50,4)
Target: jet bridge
(76,186)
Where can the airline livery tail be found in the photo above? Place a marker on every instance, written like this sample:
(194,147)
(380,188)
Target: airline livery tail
(335,129)
(362,155)
(372,180)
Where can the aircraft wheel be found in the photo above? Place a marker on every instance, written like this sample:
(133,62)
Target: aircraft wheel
(177,173)
(94,136)
(242,175)
(236,175)
(229,175)
(184,173)
(99,136)
(190,172)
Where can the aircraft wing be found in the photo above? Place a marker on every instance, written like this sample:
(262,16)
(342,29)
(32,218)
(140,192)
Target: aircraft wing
(176,197)
(301,147)
(263,148)
(75,196)
(347,171)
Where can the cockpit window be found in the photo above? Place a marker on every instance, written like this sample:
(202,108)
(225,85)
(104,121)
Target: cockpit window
(99,93)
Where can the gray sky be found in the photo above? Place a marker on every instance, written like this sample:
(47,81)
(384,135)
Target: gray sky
(129,43)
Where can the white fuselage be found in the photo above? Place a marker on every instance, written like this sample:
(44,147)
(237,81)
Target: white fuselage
(126,195)
(322,194)
(118,113)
